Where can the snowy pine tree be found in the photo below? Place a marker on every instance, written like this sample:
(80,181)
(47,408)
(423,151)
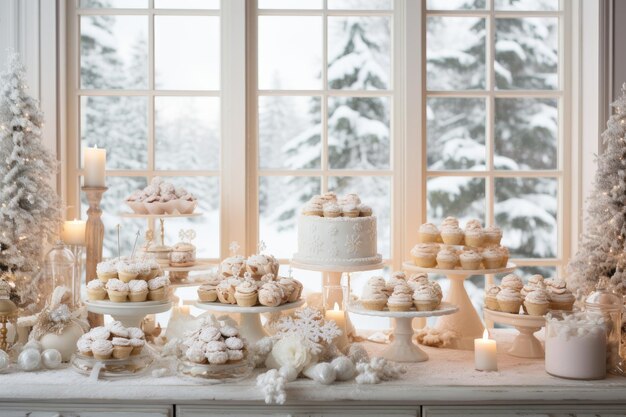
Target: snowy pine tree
(30,208)
(602,252)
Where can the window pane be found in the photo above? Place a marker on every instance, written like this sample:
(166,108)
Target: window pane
(123,4)
(187,52)
(455,53)
(360,4)
(290,4)
(526,210)
(462,197)
(527,4)
(187,4)
(455,4)
(376,193)
(456,133)
(526,133)
(289,132)
(526,53)
(113,52)
(207,226)
(194,123)
(359,52)
(358,132)
(280,202)
(118,124)
(290,52)
(112,203)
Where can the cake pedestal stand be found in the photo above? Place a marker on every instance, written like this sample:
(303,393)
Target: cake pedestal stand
(250,325)
(466,324)
(130,314)
(525,345)
(402,348)
(160,217)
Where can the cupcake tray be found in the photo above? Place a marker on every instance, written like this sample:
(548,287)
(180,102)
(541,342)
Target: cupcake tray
(113,368)
(525,345)
(466,324)
(130,314)
(402,349)
(250,325)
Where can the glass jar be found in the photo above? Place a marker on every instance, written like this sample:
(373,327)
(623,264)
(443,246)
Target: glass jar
(576,345)
(60,268)
(610,306)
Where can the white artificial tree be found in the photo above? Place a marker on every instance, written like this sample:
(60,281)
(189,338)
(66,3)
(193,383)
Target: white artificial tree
(29,206)
(602,252)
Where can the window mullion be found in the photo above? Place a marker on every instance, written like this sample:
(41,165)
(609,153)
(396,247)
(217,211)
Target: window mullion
(324,112)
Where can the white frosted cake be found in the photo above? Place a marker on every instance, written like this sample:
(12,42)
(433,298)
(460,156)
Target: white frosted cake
(335,232)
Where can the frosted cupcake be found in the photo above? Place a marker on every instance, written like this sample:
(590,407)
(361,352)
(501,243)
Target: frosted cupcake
(102,349)
(137,345)
(447,258)
(313,209)
(428,233)
(96,290)
(401,299)
(208,291)
(451,235)
(84,345)
(470,260)
(138,290)
(246,294)
(560,297)
(474,234)
(504,256)
(259,265)
(364,210)
(534,282)
(492,235)
(492,258)
(121,347)
(513,282)
(157,288)
(350,210)
(233,265)
(537,302)
(425,254)
(292,288)
(416,280)
(226,290)
(425,298)
(183,254)
(130,270)
(271,294)
(437,288)
(374,296)
(491,301)
(509,300)
(397,278)
(106,270)
(117,290)
(332,210)
(154,269)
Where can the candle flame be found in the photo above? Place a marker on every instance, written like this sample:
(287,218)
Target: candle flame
(485,335)
(336,308)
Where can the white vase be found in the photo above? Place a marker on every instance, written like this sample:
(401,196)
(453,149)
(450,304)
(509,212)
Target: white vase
(64,342)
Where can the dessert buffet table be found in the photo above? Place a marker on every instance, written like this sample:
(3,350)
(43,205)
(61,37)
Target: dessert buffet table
(520,387)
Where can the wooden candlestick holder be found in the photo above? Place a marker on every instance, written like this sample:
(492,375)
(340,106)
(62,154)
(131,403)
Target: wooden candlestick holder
(94,237)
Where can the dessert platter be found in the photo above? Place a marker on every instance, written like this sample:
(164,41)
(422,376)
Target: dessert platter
(524,307)
(459,254)
(401,298)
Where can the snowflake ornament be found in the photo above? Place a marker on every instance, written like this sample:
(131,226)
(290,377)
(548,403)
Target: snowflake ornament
(310,325)
(234,248)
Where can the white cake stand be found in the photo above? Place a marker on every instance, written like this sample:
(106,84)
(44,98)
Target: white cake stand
(525,345)
(130,314)
(466,324)
(402,348)
(250,325)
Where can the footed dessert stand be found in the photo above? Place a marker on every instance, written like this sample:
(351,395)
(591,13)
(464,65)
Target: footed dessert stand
(466,324)
(130,314)
(250,325)
(525,345)
(402,348)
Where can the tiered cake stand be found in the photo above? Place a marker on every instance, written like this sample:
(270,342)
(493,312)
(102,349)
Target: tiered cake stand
(130,314)
(525,345)
(466,324)
(402,348)
(250,326)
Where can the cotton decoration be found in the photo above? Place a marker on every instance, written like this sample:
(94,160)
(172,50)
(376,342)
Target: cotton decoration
(51,358)
(378,370)
(344,368)
(289,373)
(324,373)
(272,384)
(291,351)
(5,360)
(29,360)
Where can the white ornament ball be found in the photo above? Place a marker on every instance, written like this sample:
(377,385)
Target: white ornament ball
(33,344)
(4,360)
(344,367)
(64,342)
(324,373)
(51,358)
(29,360)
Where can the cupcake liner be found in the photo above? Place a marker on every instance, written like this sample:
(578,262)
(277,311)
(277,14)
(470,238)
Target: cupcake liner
(118,296)
(121,352)
(376,305)
(510,306)
(536,309)
(425,262)
(136,297)
(157,295)
(127,276)
(246,300)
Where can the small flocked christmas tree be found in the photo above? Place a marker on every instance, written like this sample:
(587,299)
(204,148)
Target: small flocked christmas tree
(29,206)
(602,248)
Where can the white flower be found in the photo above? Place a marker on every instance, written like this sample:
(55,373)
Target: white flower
(290,351)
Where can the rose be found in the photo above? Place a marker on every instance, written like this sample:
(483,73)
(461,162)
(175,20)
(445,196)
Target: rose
(290,351)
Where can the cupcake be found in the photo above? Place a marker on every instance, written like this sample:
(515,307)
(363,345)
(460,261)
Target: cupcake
(106,270)
(425,254)
(160,253)
(417,280)
(329,197)
(470,259)
(234,265)
(183,254)
(560,297)
(117,290)
(425,298)
(492,236)
(504,256)
(332,210)
(157,288)
(99,333)
(117,329)
(271,294)
(491,301)
(437,288)
(451,235)
(208,291)
(137,345)
(102,349)
(535,282)
(492,258)
(138,290)
(313,209)
(350,210)
(428,233)
(401,299)
(153,268)
(132,269)
(84,345)
(135,333)
(509,300)
(397,278)
(447,258)
(121,347)
(226,290)
(364,211)
(374,295)
(537,302)
(259,265)
(351,198)
(291,288)
(96,290)
(513,282)
(474,234)
(246,294)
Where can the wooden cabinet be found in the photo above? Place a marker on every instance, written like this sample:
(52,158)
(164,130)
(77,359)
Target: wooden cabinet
(314,410)
(83,410)
(525,411)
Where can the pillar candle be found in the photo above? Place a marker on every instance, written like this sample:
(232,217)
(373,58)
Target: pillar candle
(485,354)
(339,316)
(94,167)
(74,232)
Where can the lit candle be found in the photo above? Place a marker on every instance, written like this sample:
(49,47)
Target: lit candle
(339,316)
(74,232)
(485,356)
(94,167)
